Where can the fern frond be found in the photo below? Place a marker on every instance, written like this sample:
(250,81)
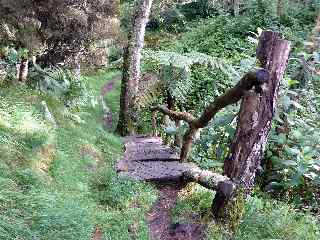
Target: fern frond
(175,70)
(150,87)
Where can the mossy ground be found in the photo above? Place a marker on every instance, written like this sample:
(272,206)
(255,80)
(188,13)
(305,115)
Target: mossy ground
(263,218)
(60,183)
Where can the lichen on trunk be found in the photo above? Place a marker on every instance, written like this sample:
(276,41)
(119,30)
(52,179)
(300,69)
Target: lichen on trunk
(131,68)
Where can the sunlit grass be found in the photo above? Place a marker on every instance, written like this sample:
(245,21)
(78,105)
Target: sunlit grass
(61,183)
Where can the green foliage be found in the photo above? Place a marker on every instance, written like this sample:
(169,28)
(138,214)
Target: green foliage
(61,83)
(294,153)
(267,219)
(212,147)
(262,219)
(114,54)
(211,38)
(64,193)
(177,75)
(173,20)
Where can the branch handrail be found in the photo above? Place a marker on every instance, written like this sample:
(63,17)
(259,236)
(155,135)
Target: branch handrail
(255,79)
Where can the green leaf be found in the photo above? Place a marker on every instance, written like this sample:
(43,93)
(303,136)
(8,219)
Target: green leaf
(292,82)
(286,101)
(289,163)
(297,105)
(282,138)
(292,151)
(296,134)
(216,164)
(171,130)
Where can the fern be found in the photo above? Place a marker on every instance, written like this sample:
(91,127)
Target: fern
(59,82)
(174,71)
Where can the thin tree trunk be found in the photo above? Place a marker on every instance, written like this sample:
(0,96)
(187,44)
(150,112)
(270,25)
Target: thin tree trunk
(187,143)
(77,67)
(23,70)
(236,7)
(131,68)
(280,4)
(254,124)
(177,137)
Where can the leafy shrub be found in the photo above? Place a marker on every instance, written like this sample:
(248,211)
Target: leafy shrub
(114,54)
(173,21)
(59,82)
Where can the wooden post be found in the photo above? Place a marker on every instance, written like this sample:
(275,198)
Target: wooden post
(23,70)
(254,124)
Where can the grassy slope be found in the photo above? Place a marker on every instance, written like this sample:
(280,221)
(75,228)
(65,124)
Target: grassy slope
(60,183)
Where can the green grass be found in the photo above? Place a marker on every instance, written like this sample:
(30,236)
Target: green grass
(60,183)
(263,218)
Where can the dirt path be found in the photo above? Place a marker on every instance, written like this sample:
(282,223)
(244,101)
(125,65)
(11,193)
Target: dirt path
(159,218)
(147,159)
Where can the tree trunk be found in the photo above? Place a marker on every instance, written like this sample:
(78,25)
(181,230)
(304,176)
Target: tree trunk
(280,4)
(177,137)
(187,143)
(23,70)
(77,67)
(236,7)
(131,68)
(254,124)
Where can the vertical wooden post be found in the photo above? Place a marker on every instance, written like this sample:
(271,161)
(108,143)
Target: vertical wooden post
(154,124)
(23,70)
(254,124)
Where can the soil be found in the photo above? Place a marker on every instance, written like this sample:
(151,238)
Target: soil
(160,222)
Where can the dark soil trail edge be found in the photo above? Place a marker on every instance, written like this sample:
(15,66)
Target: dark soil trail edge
(160,222)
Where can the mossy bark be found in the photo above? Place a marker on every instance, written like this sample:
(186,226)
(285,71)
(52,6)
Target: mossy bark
(131,69)
(230,211)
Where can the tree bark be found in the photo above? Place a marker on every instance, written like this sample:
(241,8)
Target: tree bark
(177,137)
(236,7)
(254,124)
(131,68)
(280,4)
(23,70)
(210,180)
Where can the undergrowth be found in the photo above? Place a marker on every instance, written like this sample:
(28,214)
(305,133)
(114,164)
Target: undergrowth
(263,218)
